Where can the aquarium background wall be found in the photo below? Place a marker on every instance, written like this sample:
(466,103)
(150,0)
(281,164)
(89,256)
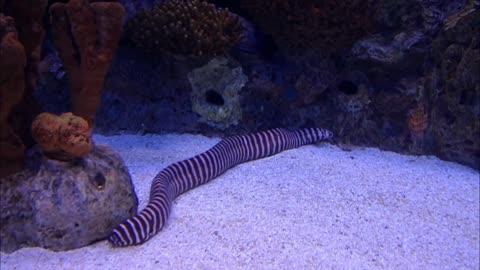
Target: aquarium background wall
(398,75)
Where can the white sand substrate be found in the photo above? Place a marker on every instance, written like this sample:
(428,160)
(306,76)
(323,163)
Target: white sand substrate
(315,207)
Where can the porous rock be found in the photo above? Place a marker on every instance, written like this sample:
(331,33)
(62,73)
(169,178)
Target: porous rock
(62,137)
(216,92)
(62,205)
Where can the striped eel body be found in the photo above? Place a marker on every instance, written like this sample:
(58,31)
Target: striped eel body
(190,173)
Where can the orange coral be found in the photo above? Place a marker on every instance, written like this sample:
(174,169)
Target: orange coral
(62,137)
(86,36)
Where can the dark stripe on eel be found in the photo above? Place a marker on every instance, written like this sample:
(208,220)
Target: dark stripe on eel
(190,173)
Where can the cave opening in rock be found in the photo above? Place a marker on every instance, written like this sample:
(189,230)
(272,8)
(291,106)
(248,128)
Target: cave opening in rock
(214,98)
(348,87)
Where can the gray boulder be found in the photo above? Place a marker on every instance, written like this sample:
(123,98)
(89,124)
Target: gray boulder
(62,205)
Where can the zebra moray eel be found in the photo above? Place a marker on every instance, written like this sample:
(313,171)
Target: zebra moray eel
(190,173)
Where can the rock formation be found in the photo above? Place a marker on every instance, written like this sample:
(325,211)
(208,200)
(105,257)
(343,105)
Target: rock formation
(61,205)
(216,92)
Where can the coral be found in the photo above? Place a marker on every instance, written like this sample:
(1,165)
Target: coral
(62,137)
(215,92)
(12,86)
(305,24)
(86,36)
(185,28)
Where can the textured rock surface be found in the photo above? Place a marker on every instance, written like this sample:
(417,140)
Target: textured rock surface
(62,137)
(388,52)
(454,90)
(65,205)
(216,92)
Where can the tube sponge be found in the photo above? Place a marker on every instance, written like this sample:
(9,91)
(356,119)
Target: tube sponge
(86,36)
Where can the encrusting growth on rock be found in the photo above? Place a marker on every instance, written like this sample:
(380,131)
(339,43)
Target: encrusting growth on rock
(62,137)
(86,36)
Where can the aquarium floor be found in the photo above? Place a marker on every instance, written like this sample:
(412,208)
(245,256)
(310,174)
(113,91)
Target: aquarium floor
(315,207)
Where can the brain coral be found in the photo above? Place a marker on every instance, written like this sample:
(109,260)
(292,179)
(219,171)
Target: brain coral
(306,24)
(185,28)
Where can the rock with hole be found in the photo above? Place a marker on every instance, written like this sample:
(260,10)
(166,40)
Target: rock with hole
(62,205)
(216,92)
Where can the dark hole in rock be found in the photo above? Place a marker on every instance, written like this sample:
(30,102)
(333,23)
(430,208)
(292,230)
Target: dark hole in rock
(347,87)
(214,98)
(100,180)
(467,97)
(76,225)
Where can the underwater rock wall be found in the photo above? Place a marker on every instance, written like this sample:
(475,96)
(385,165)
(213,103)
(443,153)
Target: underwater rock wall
(408,84)
(453,89)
